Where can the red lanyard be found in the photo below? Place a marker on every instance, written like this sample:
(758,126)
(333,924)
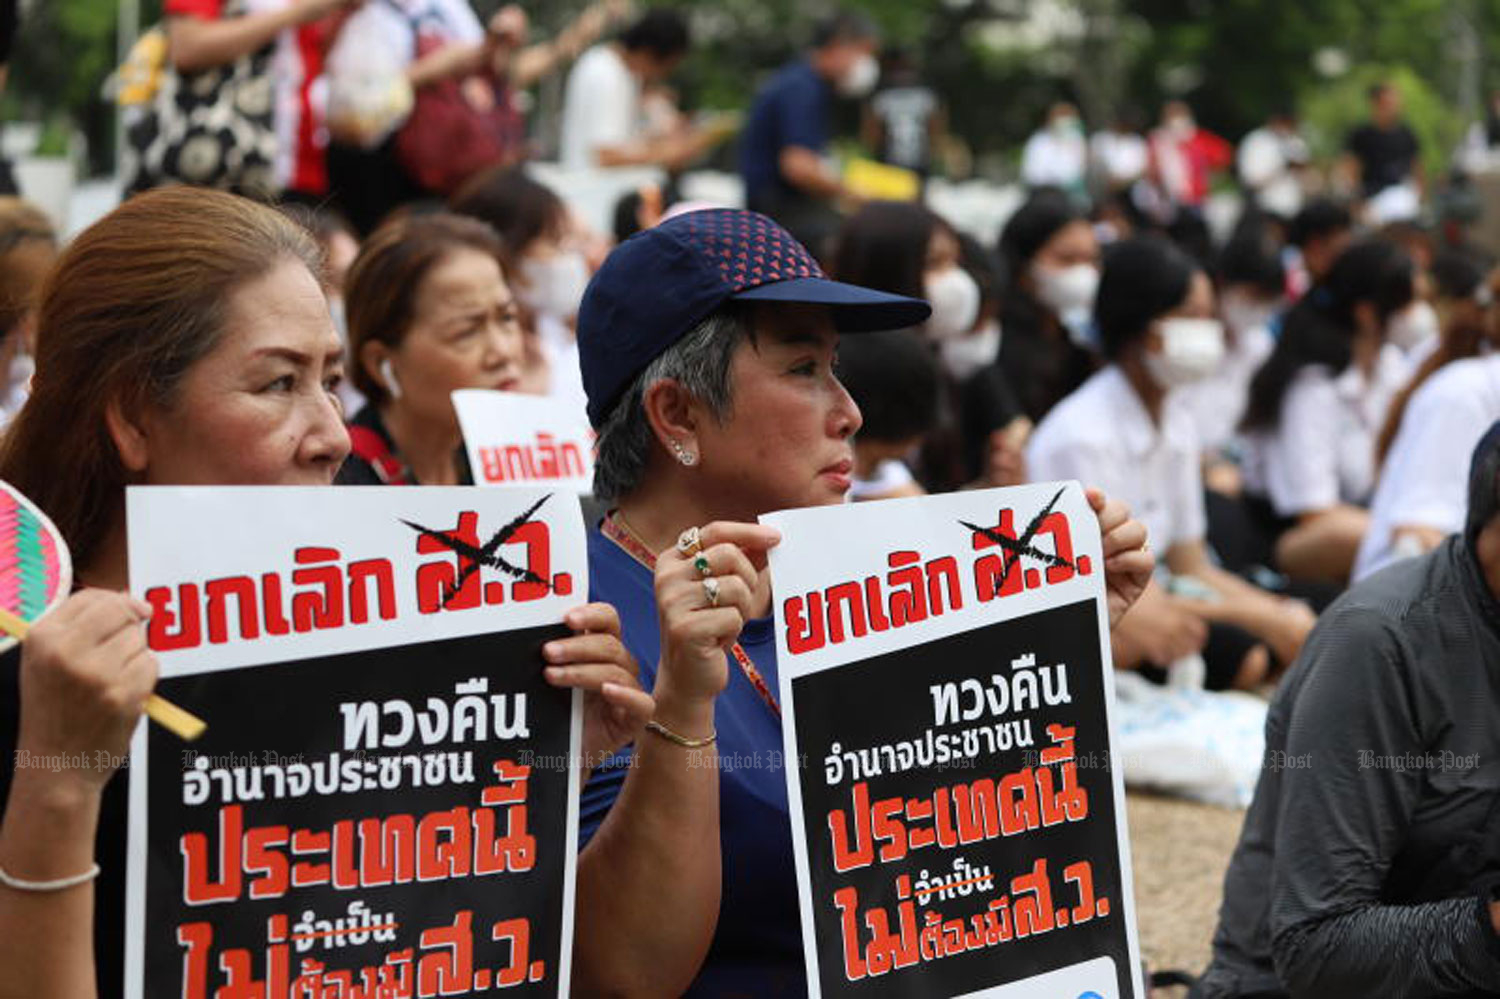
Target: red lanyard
(621,535)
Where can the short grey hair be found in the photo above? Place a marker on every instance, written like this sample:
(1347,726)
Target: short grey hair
(699,362)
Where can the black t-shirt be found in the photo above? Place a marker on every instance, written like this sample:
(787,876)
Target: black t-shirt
(1385,155)
(109,847)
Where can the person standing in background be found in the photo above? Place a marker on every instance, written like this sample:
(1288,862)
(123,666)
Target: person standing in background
(603,113)
(783,149)
(1057,155)
(207,34)
(1383,161)
(905,120)
(1184,158)
(1118,157)
(28,248)
(8,25)
(1271,162)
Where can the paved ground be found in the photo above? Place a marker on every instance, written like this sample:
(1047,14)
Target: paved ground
(1179,851)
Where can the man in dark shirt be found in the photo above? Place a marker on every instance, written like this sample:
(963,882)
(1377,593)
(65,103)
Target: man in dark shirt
(1369,860)
(786,136)
(1384,154)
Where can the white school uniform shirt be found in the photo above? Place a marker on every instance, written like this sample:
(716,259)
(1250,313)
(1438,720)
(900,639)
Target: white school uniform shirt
(1217,403)
(1267,162)
(1119,158)
(1102,436)
(1053,160)
(601,107)
(1425,481)
(888,476)
(398,23)
(1322,451)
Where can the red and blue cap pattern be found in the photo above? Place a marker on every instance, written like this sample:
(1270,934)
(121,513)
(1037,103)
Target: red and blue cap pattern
(661,283)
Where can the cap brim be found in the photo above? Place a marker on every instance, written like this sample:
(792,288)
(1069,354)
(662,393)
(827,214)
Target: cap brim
(855,309)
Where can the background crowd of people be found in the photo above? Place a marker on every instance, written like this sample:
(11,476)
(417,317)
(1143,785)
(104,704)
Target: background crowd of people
(1288,406)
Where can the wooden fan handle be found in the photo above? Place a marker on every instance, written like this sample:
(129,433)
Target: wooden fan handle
(181,723)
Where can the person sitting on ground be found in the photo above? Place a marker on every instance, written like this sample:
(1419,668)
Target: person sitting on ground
(1052,257)
(717,400)
(549,256)
(430,312)
(1367,862)
(182,340)
(893,379)
(1317,235)
(1460,322)
(1127,430)
(1316,407)
(907,249)
(1421,495)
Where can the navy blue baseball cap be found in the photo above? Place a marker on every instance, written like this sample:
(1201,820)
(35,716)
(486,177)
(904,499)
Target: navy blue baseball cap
(660,283)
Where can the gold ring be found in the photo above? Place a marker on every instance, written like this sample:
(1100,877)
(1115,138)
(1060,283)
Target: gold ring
(689,543)
(711,591)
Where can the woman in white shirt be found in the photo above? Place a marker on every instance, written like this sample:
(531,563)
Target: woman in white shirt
(1126,428)
(1317,405)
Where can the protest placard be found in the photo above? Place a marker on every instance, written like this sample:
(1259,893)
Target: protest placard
(374,810)
(958,829)
(525,440)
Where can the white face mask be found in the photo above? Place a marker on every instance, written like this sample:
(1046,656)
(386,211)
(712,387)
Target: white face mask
(955,304)
(1413,326)
(1066,290)
(555,286)
(1241,316)
(1191,351)
(860,78)
(964,356)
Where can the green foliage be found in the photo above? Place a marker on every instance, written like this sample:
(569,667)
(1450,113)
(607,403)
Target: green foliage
(1234,60)
(1332,111)
(63,52)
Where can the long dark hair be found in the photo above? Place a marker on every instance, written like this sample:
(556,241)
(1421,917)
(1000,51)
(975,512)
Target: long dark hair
(1144,278)
(1320,328)
(1458,275)
(518,207)
(884,246)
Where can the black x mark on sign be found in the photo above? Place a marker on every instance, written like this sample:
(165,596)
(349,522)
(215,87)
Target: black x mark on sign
(1022,546)
(485,555)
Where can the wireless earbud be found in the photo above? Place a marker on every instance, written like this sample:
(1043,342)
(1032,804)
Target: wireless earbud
(388,373)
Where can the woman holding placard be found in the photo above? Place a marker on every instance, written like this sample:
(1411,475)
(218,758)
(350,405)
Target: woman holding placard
(708,347)
(183,339)
(430,311)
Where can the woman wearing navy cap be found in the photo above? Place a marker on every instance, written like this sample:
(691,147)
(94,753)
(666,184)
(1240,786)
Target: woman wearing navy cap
(707,347)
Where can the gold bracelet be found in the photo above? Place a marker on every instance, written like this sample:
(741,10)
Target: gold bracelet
(681,740)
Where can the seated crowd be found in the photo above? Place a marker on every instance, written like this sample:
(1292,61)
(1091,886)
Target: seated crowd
(1289,423)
